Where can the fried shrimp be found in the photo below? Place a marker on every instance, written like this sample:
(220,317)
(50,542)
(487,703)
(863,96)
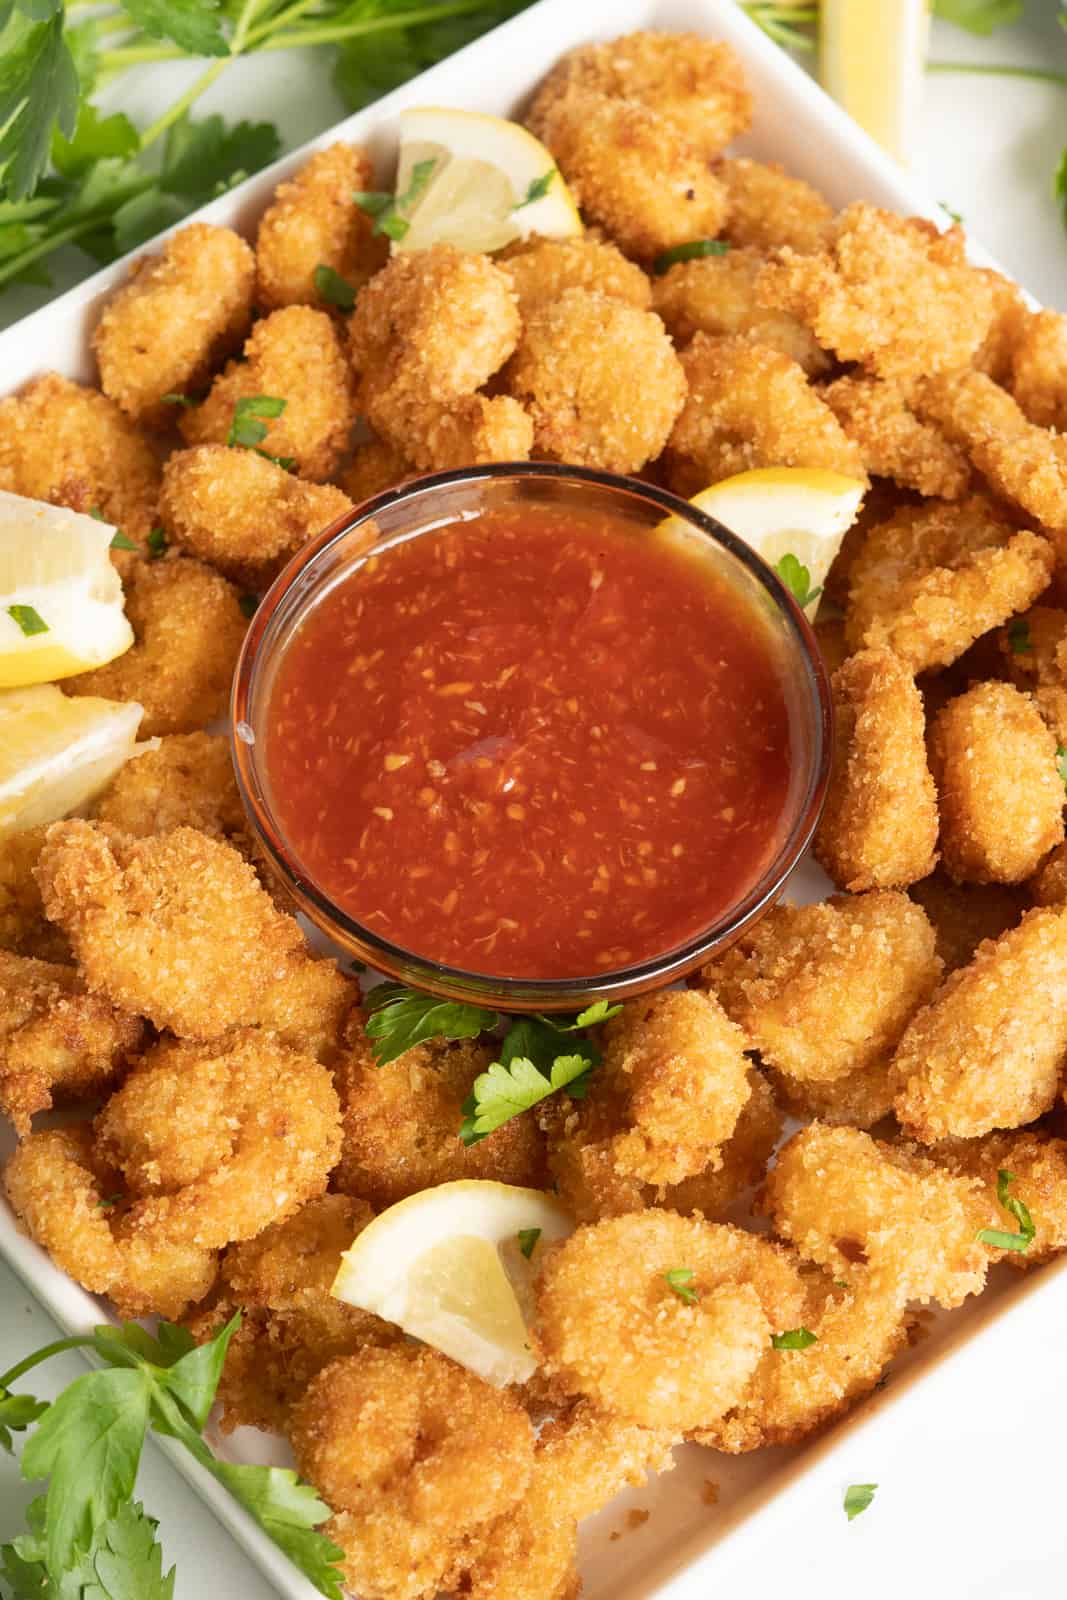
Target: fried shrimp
(600,379)
(893,441)
(243,514)
(767,208)
(932,579)
(313,221)
(57,1042)
(416,1456)
(841,1197)
(879,824)
(1049,886)
(24,928)
(1039,368)
(1034,650)
(1038,1167)
(857,1099)
(987,1051)
(691,1310)
(462,433)
(891,292)
(996,353)
(717,295)
(964,915)
(178,315)
(541,269)
(999,793)
(374,466)
(219,1140)
(750,406)
(401,1123)
(188,629)
(187,781)
(64,1195)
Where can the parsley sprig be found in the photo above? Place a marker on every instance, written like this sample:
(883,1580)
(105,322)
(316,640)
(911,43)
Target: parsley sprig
(998,1238)
(797,580)
(388,209)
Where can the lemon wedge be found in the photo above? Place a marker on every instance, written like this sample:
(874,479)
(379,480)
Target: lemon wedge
(60,596)
(872,56)
(57,752)
(476,182)
(803,512)
(448,1265)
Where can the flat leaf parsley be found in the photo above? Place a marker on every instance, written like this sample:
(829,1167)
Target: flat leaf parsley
(504,1092)
(680,1279)
(797,580)
(858,1497)
(388,210)
(794,1339)
(402,1018)
(997,1238)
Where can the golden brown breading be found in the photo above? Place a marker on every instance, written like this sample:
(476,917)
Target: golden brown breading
(1033,648)
(965,914)
(174,319)
(57,1041)
(72,446)
(841,1197)
(893,441)
(313,221)
(600,379)
(1039,368)
(374,466)
(858,1099)
(717,295)
(415,1455)
(987,1051)
(541,269)
(242,513)
(698,83)
(187,781)
(995,354)
(188,629)
(1038,1165)
(751,406)
(1049,886)
(882,498)
(24,927)
(767,208)
(462,433)
(932,579)
(999,794)
(879,824)
(891,292)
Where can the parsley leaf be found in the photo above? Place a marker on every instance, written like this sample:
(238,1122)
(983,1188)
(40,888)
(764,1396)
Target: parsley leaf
(38,92)
(183,400)
(536,189)
(528,1237)
(388,209)
(334,289)
(121,541)
(693,250)
(979,16)
(504,1092)
(402,1018)
(680,1279)
(996,1238)
(797,580)
(794,1339)
(1061,764)
(94,137)
(1019,638)
(28,619)
(204,159)
(534,1038)
(246,429)
(858,1497)
(157,543)
(193,24)
(17,1411)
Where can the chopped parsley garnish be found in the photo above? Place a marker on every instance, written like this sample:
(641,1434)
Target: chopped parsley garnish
(528,1237)
(996,1238)
(503,1092)
(794,1339)
(106,1205)
(692,250)
(680,1279)
(177,400)
(334,289)
(952,213)
(1019,638)
(249,604)
(1061,764)
(157,543)
(402,1018)
(388,209)
(536,189)
(248,430)
(121,541)
(28,619)
(858,1497)
(797,580)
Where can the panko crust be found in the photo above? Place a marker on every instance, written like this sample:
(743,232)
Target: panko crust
(467,432)
(241,513)
(1038,1164)
(893,441)
(24,928)
(963,915)
(890,292)
(1049,886)
(879,825)
(296,355)
(541,269)
(1039,368)
(996,353)
(188,630)
(374,466)
(186,781)
(1033,650)
(767,208)
(987,1051)
(416,1456)
(999,794)
(859,1099)
(177,316)
(312,221)
(600,379)
(717,295)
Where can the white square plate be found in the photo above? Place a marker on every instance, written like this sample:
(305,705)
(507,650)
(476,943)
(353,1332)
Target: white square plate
(796,124)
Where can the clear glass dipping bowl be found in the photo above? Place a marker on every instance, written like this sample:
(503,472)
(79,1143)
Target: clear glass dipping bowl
(417,508)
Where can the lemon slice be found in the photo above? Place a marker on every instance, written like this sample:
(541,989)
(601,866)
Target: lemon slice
(872,55)
(465,178)
(802,512)
(57,753)
(448,1266)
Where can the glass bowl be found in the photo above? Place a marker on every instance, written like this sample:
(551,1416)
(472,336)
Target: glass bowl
(416,509)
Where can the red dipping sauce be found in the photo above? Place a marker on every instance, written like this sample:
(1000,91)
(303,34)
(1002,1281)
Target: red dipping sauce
(533,744)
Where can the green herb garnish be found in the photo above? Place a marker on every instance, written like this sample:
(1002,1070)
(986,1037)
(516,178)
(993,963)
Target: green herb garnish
(28,619)
(858,1497)
(528,1237)
(680,1279)
(1019,638)
(334,289)
(998,1239)
(503,1092)
(178,400)
(157,543)
(797,580)
(536,189)
(388,209)
(794,1339)
(246,429)
(693,250)
(121,541)
(402,1018)
(1061,764)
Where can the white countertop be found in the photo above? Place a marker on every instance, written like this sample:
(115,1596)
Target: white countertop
(970,1500)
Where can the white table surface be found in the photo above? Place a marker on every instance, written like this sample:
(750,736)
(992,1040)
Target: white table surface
(970,1505)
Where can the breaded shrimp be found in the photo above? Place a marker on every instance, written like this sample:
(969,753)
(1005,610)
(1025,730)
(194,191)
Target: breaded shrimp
(879,824)
(24,928)
(400,1123)
(891,292)
(1038,1167)
(416,1456)
(313,221)
(187,781)
(633,171)
(963,915)
(177,316)
(1033,647)
(219,1140)
(932,579)
(188,629)
(830,636)
(541,269)
(374,466)
(987,1051)
(72,446)
(613,1326)
(857,1099)
(467,432)
(999,794)
(57,1041)
(825,990)
(1049,886)
(995,354)
(751,406)
(242,513)
(717,295)
(600,379)
(1039,369)
(698,83)
(879,503)
(65,1196)
(767,208)
(841,1197)
(893,441)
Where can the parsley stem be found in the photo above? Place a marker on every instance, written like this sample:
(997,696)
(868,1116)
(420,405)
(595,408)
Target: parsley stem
(998,70)
(117,60)
(75,1342)
(182,104)
(330,34)
(280,19)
